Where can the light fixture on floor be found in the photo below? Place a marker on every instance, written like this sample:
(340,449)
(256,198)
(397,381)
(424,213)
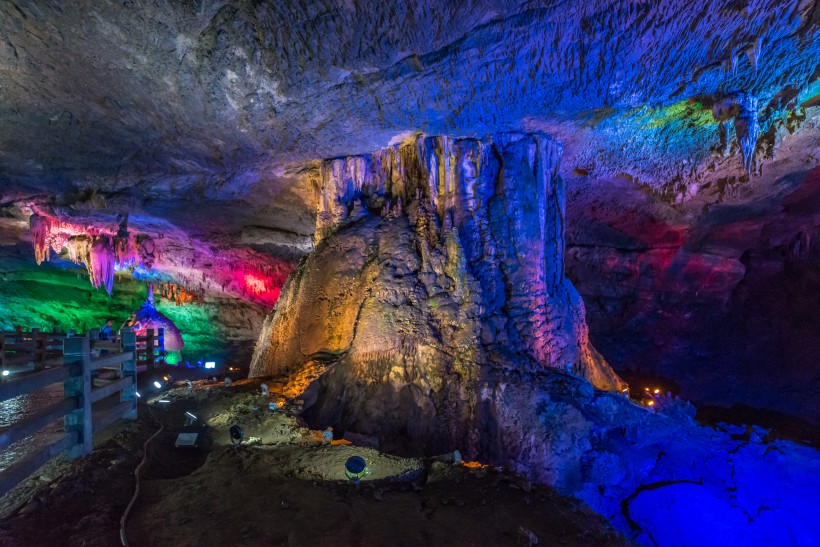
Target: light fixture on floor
(193,436)
(236,435)
(355,469)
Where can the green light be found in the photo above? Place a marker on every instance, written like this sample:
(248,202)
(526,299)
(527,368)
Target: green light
(690,112)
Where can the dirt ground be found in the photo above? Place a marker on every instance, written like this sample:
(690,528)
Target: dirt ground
(280,487)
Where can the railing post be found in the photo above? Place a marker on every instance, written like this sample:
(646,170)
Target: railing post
(38,340)
(129,368)
(161,344)
(149,347)
(77,357)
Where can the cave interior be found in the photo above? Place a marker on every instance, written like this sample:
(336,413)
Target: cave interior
(577,241)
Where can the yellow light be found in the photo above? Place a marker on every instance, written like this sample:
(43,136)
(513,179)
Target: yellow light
(650,403)
(646,389)
(657,390)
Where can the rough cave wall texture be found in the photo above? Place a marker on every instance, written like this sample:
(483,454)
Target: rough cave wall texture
(723,306)
(195,90)
(435,259)
(200,117)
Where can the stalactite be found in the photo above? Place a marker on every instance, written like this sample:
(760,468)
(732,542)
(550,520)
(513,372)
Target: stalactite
(103,261)
(40,230)
(79,251)
(749,118)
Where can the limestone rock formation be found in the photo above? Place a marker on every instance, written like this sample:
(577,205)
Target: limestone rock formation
(147,317)
(436,261)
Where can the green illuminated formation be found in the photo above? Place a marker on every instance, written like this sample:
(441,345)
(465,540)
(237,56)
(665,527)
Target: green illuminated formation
(48,296)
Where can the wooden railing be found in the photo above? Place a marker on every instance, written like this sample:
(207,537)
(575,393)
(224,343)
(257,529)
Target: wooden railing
(151,349)
(88,406)
(34,349)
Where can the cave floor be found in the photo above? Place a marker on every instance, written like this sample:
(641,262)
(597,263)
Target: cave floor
(282,488)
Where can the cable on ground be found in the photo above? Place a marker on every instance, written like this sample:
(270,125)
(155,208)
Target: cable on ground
(124,518)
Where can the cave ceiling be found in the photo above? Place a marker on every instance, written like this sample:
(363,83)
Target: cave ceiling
(146,107)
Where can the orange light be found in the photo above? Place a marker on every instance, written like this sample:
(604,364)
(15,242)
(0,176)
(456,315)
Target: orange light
(650,403)
(657,390)
(646,389)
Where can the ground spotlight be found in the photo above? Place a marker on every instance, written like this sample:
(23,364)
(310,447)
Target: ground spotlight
(157,384)
(236,435)
(355,469)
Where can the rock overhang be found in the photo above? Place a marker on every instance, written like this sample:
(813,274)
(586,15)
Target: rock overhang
(118,94)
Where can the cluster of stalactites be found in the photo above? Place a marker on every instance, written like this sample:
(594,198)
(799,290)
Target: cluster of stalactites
(100,253)
(49,235)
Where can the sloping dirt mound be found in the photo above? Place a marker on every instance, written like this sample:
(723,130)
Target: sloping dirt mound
(282,486)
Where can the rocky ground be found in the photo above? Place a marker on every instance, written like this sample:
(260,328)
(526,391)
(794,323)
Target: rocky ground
(282,487)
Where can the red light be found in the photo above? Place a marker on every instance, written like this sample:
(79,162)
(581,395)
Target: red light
(255,285)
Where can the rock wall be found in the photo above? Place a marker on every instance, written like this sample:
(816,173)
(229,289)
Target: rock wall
(435,260)
(717,301)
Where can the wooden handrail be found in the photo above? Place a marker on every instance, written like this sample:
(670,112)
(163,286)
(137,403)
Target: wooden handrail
(11,476)
(110,389)
(112,359)
(108,416)
(34,423)
(31,382)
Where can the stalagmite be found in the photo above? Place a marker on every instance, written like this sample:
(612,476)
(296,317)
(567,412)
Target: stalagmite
(465,273)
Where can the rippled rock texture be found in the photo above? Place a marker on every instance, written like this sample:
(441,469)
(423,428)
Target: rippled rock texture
(435,261)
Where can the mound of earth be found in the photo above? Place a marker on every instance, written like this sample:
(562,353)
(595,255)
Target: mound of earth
(280,487)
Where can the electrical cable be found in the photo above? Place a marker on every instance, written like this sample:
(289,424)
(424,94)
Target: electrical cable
(123,539)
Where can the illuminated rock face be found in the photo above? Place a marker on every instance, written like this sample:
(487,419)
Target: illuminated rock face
(149,318)
(435,261)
